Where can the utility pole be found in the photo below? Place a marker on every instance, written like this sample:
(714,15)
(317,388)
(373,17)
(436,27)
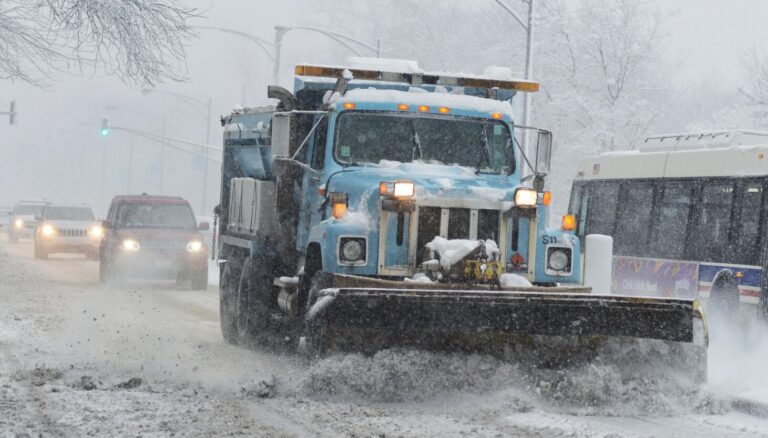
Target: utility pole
(528,27)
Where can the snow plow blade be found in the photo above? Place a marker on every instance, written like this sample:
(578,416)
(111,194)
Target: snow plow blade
(440,315)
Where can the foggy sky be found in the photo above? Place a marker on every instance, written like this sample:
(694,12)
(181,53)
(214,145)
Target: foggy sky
(55,150)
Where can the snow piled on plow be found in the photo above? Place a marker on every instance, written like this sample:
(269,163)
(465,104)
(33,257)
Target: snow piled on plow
(621,380)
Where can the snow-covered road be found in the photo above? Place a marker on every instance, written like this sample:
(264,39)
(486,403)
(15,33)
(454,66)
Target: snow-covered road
(79,359)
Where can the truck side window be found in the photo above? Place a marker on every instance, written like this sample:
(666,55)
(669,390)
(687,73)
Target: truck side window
(320,140)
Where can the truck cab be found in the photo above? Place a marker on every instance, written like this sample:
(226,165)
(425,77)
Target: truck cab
(361,172)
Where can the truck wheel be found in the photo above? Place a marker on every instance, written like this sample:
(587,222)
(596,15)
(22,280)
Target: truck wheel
(254,291)
(228,283)
(316,339)
(724,296)
(199,279)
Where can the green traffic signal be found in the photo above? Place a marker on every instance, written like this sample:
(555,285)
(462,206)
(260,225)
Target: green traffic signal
(104,126)
(104,132)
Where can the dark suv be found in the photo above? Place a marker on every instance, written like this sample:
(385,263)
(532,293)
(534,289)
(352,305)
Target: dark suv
(153,237)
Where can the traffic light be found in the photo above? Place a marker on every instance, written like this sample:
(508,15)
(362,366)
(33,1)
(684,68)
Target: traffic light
(104,126)
(12,113)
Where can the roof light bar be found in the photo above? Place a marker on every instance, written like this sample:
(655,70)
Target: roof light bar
(416,78)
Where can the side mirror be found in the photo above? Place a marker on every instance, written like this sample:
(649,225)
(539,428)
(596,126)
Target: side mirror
(543,152)
(283,134)
(204,226)
(106,224)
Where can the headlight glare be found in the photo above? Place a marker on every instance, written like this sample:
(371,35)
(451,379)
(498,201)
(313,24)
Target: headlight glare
(47,230)
(18,223)
(96,232)
(130,245)
(194,246)
(404,189)
(526,197)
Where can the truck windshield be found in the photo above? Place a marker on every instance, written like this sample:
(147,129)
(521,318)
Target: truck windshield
(155,216)
(372,137)
(30,209)
(69,213)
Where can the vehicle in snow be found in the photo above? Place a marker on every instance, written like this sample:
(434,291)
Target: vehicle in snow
(382,205)
(23,223)
(67,229)
(149,236)
(689,216)
(5,217)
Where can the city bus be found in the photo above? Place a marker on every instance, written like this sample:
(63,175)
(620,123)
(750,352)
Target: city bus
(688,214)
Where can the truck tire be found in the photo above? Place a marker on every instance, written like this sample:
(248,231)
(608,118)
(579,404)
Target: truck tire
(254,292)
(724,296)
(315,333)
(199,279)
(228,283)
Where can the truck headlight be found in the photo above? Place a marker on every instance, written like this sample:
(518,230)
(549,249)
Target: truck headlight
(130,245)
(559,259)
(47,230)
(18,223)
(526,197)
(352,250)
(404,189)
(194,246)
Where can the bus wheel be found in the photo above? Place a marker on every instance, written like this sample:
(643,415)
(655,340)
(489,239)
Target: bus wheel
(724,295)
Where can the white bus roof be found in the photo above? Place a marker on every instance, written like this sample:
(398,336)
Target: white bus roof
(710,154)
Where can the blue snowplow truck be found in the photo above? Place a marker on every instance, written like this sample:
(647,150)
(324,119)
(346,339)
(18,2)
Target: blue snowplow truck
(380,206)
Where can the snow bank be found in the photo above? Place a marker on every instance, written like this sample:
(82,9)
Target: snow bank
(418,278)
(451,251)
(514,280)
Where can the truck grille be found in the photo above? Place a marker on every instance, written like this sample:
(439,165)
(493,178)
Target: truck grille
(459,226)
(69,232)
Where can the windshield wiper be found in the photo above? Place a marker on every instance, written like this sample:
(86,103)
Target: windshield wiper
(485,155)
(416,143)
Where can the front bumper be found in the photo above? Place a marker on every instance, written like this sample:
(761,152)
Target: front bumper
(153,264)
(77,245)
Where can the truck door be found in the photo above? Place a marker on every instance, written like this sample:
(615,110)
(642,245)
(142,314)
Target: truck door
(310,195)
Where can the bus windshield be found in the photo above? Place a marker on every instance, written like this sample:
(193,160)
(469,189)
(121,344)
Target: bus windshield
(372,137)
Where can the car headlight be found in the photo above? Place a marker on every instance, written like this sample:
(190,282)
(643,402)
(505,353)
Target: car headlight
(47,230)
(18,223)
(559,259)
(352,250)
(96,232)
(194,246)
(526,197)
(130,245)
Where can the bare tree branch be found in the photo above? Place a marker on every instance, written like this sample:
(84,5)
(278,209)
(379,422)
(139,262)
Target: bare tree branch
(141,41)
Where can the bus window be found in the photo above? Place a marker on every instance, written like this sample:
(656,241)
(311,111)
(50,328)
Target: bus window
(670,230)
(634,220)
(602,209)
(710,236)
(747,248)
